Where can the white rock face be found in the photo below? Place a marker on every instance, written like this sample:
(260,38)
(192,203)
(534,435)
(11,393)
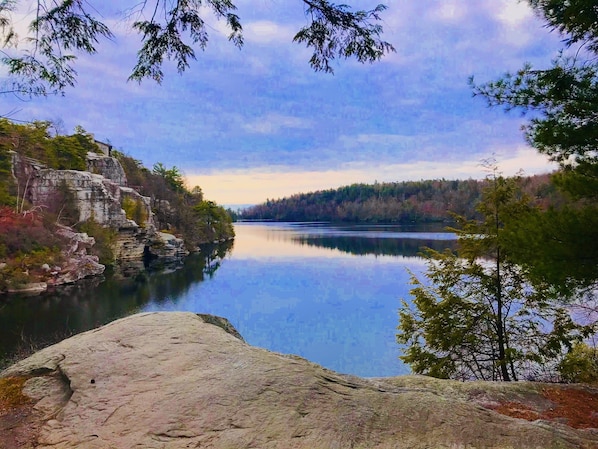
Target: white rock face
(173,381)
(79,264)
(106,166)
(98,193)
(102,194)
(95,195)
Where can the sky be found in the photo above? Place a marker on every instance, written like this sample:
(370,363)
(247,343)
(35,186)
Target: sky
(258,123)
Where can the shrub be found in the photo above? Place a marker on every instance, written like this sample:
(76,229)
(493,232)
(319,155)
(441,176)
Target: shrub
(25,233)
(580,364)
(135,210)
(105,239)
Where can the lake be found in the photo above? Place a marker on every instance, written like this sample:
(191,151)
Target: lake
(329,293)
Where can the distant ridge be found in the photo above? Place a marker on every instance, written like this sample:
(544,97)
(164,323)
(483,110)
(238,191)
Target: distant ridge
(393,202)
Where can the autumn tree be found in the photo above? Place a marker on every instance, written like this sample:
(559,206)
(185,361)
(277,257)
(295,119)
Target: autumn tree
(477,315)
(174,31)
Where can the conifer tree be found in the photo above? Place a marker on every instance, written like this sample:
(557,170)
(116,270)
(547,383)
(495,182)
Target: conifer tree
(477,315)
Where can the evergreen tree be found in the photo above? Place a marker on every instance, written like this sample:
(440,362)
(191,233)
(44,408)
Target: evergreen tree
(560,246)
(478,315)
(173,30)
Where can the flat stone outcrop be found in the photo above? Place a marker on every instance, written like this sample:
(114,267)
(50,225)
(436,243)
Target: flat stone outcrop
(178,380)
(167,247)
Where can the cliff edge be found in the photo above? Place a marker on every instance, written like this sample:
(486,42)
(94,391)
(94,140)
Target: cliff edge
(179,380)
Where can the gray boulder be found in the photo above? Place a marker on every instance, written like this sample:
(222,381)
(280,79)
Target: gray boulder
(173,380)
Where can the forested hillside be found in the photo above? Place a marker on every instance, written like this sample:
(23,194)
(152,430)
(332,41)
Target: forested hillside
(395,202)
(29,237)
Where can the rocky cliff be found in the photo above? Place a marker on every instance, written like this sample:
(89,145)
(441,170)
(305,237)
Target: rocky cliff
(98,194)
(101,194)
(176,380)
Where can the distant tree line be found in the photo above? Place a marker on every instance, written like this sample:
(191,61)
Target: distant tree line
(393,202)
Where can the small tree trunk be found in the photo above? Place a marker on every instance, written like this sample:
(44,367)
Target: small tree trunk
(502,357)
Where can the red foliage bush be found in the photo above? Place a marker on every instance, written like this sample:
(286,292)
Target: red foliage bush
(24,233)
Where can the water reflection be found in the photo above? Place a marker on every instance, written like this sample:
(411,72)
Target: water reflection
(303,239)
(27,322)
(325,292)
(361,246)
(322,301)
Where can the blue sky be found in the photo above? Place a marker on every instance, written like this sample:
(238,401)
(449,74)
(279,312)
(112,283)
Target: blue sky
(257,123)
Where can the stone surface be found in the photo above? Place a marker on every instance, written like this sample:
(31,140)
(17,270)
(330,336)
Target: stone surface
(100,194)
(130,244)
(108,167)
(173,380)
(33,288)
(95,196)
(78,263)
(167,247)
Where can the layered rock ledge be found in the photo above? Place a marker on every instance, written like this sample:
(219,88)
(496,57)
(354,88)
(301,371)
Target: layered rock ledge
(179,380)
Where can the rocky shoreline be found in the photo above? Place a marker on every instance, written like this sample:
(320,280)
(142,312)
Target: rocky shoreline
(179,380)
(99,194)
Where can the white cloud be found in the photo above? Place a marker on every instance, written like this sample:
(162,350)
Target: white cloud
(268,32)
(449,11)
(513,13)
(517,24)
(274,123)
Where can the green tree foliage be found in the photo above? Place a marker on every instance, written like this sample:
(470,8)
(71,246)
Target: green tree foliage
(214,221)
(174,206)
(34,140)
(135,210)
(173,177)
(478,315)
(173,30)
(336,31)
(396,202)
(580,364)
(562,99)
(577,19)
(561,245)
(7,185)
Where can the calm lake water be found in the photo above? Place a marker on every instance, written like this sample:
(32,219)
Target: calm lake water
(325,292)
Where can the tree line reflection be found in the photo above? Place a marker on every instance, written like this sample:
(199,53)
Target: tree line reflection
(361,246)
(27,323)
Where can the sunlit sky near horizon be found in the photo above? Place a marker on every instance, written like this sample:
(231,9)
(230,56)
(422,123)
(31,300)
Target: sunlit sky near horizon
(255,124)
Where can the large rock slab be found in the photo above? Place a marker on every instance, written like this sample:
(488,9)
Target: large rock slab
(175,380)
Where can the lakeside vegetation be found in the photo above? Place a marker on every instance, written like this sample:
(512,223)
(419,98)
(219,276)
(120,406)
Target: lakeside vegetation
(28,237)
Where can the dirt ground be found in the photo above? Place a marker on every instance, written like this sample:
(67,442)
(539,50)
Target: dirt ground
(19,422)
(574,407)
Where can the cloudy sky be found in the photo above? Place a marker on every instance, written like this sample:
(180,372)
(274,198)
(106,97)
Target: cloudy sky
(257,123)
